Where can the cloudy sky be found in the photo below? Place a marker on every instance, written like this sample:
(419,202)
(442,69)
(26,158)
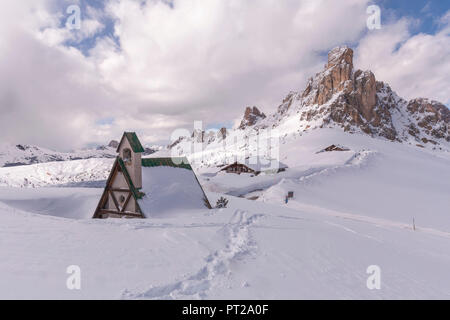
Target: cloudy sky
(157,65)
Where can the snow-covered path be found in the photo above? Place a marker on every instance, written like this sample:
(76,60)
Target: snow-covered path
(217,266)
(252,250)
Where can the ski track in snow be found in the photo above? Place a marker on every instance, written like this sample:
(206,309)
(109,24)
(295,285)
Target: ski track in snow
(358,160)
(371,220)
(217,266)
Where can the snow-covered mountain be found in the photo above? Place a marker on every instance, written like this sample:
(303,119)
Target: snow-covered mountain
(87,172)
(20,154)
(337,97)
(355,101)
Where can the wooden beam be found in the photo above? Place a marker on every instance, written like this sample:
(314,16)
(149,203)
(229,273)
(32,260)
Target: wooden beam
(126,202)
(119,190)
(128,214)
(115,200)
(104,198)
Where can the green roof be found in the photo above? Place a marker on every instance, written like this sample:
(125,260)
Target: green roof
(167,162)
(134,142)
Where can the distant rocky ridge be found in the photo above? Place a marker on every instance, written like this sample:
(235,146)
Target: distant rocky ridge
(21,154)
(113,144)
(18,155)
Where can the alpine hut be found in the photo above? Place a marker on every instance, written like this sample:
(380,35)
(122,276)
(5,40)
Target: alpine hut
(255,165)
(141,187)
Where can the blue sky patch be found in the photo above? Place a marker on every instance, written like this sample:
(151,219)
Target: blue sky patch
(105,121)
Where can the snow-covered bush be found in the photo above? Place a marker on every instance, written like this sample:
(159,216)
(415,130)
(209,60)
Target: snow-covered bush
(222,203)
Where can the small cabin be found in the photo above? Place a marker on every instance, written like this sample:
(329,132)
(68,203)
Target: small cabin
(334,147)
(255,165)
(239,168)
(140,187)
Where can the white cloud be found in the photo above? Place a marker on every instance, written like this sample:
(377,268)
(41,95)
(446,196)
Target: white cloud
(414,65)
(204,59)
(200,60)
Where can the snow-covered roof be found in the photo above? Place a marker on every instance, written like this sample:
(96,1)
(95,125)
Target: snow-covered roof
(170,188)
(181,162)
(260,164)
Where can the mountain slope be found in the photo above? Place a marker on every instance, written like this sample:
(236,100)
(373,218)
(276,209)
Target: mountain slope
(18,155)
(337,97)
(87,172)
(251,250)
(355,101)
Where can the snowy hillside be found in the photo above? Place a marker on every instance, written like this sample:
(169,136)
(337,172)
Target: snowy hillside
(251,250)
(91,172)
(351,210)
(17,155)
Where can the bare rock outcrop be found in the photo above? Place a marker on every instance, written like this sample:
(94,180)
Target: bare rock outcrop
(335,77)
(113,144)
(251,117)
(222,133)
(431,117)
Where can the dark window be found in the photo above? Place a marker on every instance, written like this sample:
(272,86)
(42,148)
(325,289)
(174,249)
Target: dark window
(127,155)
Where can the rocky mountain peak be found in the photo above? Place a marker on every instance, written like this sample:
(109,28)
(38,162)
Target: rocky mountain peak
(251,116)
(340,56)
(356,101)
(341,96)
(113,144)
(336,77)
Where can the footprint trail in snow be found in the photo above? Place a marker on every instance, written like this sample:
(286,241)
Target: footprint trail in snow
(217,267)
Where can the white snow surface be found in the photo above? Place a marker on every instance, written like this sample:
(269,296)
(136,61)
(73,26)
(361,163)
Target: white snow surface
(350,210)
(56,173)
(169,189)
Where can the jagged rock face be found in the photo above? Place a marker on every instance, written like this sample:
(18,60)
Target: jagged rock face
(222,133)
(176,142)
(251,117)
(353,100)
(356,101)
(113,144)
(333,79)
(365,93)
(364,108)
(201,136)
(209,136)
(433,117)
(287,102)
(198,135)
(347,98)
